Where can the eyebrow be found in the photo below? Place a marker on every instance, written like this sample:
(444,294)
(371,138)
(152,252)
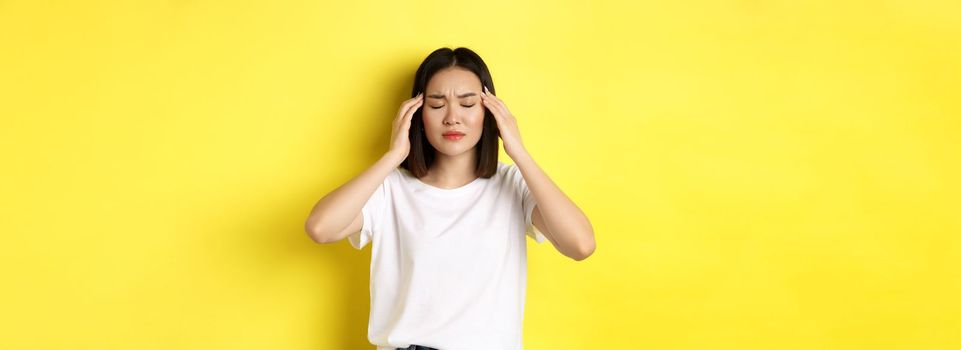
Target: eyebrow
(439,96)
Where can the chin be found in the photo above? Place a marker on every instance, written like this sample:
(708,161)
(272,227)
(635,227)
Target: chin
(451,151)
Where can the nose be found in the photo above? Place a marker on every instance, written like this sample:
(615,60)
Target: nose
(451,117)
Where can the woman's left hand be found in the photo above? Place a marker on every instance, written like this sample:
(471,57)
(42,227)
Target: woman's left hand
(506,124)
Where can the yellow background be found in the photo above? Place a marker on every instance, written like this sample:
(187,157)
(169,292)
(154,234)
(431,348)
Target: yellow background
(760,174)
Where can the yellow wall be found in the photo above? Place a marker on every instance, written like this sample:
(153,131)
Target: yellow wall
(760,174)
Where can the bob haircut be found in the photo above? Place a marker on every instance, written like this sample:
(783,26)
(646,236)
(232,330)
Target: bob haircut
(422,154)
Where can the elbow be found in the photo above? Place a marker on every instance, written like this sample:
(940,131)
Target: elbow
(315,234)
(585,249)
(583,254)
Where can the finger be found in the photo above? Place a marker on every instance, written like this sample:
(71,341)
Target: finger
(407,110)
(496,114)
(494,107)
(491,94)
(493,99)
(413,109)
(410,114)
(415,99)
(412,100)
(498,103)
(489,100)
(405,107)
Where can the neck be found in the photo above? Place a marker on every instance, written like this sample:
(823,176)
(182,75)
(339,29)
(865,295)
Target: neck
(453,171)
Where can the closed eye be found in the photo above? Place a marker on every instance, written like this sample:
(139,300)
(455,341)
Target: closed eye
(439,107)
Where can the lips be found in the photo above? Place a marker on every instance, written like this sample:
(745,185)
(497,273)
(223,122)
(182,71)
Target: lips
(453,135)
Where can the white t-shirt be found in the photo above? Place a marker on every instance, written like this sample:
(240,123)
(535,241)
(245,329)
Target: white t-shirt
(448,267)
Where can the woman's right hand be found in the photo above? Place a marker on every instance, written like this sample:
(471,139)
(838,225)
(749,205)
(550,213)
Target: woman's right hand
(399,138)
(339,213)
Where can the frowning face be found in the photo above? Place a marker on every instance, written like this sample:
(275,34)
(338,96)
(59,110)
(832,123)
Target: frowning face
(453,106)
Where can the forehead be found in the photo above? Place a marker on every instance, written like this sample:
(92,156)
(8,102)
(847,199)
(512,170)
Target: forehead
(454,79)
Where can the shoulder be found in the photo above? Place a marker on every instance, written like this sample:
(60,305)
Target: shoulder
(504,169)
(510,175)
(396,177)
(507,173)
(399,173)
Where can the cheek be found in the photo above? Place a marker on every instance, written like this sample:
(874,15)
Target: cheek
(477,117)
(431,116)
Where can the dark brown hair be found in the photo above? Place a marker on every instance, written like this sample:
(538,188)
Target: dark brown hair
(422,154)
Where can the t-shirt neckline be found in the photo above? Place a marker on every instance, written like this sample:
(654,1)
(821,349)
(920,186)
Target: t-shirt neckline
(434,189)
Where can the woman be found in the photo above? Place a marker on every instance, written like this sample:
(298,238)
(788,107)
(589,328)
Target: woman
(447,219)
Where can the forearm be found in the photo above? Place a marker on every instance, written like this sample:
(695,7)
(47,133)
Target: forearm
(337,209)
(569,227)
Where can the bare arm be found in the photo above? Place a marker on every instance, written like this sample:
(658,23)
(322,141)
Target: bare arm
(555,215)
(338,214)
(332,217)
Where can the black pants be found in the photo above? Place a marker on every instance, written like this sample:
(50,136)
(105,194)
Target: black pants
(416,347)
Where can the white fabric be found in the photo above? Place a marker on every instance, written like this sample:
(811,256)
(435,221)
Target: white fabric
(448,267)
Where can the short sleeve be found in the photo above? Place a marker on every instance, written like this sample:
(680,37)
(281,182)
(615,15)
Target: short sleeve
(372,210)
(528,203)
